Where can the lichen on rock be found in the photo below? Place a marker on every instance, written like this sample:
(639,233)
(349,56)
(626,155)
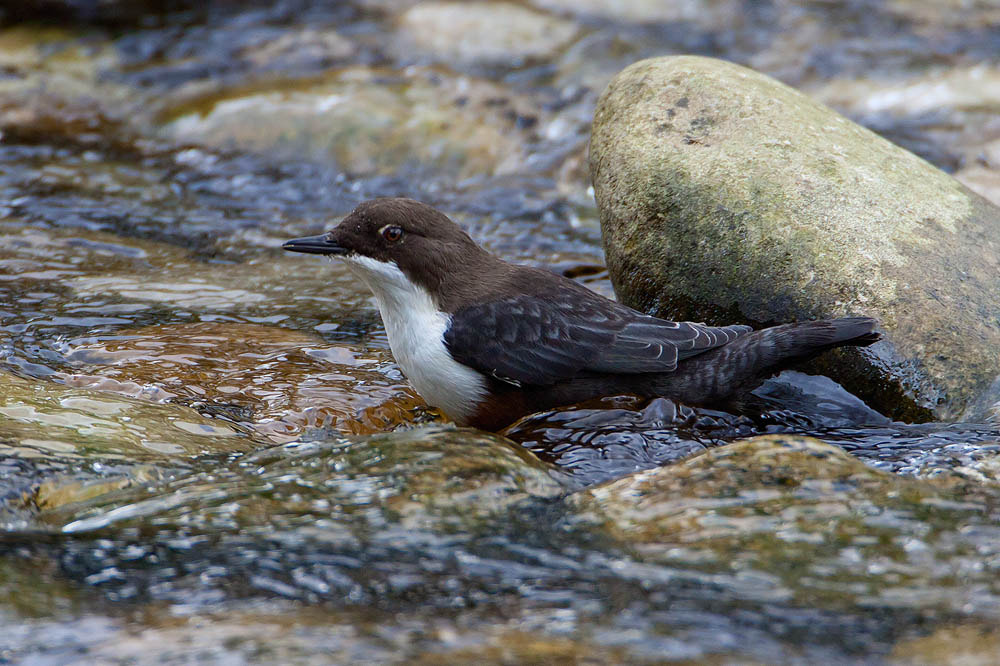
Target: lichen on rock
(726,195)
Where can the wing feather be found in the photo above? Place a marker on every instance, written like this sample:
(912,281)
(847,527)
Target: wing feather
(548,338)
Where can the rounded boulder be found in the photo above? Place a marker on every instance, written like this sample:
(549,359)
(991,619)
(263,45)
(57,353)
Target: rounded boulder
(727,196)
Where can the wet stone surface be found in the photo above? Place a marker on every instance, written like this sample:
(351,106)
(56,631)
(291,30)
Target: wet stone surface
(786,541)
(207,452)
(612,440)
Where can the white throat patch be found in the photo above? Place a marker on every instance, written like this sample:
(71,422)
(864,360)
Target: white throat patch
(416,328)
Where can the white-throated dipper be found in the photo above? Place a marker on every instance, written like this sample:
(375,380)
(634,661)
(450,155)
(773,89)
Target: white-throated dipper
(488,342)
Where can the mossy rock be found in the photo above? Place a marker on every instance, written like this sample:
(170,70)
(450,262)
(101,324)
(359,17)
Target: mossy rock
(727,196)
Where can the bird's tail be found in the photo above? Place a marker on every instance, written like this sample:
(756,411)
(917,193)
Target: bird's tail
(742,364)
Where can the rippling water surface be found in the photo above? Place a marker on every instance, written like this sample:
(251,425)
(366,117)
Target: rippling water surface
(207,451)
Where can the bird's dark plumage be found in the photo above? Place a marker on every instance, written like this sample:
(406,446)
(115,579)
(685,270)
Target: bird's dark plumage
(493,341)
(553,335)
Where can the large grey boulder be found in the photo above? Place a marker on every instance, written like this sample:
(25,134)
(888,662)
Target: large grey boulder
(727,196)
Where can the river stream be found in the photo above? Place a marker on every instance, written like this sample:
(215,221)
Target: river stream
(208,454)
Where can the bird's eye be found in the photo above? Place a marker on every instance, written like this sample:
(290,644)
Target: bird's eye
(392,233)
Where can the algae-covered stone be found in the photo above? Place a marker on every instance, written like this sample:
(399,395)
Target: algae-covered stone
(973,643)
(40,419)
(793,519)
(726,195)
(703,13)
(429,478)
(484,33)
(234,369)
(368,122)
(713,495)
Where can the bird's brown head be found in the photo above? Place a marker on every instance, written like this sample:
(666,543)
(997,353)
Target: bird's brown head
(385,234)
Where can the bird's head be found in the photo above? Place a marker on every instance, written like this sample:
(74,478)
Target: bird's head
(396,242)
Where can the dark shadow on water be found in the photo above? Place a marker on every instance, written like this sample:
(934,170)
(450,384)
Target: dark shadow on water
(619,438)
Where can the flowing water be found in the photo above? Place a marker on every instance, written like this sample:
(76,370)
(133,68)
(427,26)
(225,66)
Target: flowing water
(207,452)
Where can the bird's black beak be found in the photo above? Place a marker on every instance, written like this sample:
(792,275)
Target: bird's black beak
(314,245)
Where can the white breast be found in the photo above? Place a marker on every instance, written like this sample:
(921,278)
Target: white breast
(416,330)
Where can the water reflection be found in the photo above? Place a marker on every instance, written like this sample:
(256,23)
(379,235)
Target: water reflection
(617,436)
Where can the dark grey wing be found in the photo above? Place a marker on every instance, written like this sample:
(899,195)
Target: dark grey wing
(531,339)
(544,339)
(648,344)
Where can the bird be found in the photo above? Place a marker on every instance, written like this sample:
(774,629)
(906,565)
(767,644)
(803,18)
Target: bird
(488,342)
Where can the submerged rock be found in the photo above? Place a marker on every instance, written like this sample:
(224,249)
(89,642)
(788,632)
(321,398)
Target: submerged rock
(959,644)
(271,379)
(697,12)
(421,479)
(727,196)
(368,121)
(90,297)
(946,116)
(39,419)
(497,33)
(792,519)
